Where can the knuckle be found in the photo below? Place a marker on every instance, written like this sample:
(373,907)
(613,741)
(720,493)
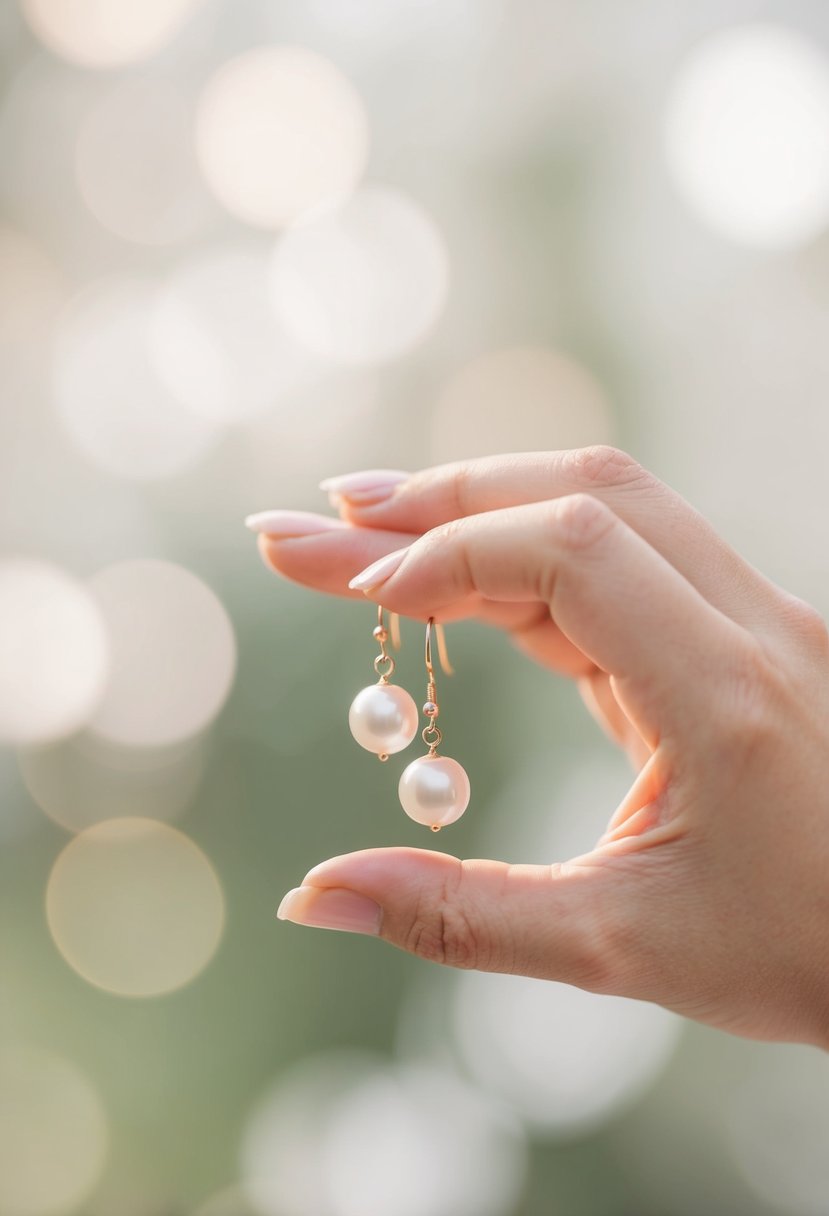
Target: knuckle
(443,935)
(450,538)
(749,691)
(604,466)
(597,959)
(633,950)
(581,521)
(461,488)
(441,930)
(592,941)
(453,529)
(805,624)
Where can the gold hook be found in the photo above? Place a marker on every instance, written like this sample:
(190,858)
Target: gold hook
(446,666)
(394,627)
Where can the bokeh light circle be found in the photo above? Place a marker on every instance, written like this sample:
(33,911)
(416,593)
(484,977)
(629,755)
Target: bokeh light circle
(747,135)
(362,283)
(96,34)
(777,1126)
(216,343)
(564,1059)
(108,395)
(86,779)
(54,652)
(135,907)
(442,1148)
(438,1147)
(280,130)
(135,165)
(53,1133)
(518,399)
(173,653)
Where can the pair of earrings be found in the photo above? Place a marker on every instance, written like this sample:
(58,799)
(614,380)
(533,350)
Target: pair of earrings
(434,790)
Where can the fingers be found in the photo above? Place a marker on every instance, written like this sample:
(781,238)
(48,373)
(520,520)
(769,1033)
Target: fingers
(532,920)
(596,689)
(433,497)
(616,599)
(317,551)
(325,553)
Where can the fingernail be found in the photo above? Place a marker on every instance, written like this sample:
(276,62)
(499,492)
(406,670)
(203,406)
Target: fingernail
(378,572)
(365,488)
(331,908)
(290,523)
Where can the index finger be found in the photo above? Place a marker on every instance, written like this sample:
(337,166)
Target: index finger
(619,601)
(433,496)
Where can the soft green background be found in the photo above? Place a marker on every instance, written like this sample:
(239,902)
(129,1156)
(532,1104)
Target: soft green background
(532,133)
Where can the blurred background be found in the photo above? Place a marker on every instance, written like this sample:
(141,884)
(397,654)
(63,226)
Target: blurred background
(247,244)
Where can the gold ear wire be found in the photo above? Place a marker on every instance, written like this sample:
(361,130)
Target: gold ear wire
(384,663)
(446,666)
(394,627)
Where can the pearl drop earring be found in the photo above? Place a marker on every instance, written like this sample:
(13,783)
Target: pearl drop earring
(383,717)
(434,790)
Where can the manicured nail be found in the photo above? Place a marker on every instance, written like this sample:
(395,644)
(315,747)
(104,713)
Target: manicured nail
(378,572)
(286,524)
(331,908)
(366,488)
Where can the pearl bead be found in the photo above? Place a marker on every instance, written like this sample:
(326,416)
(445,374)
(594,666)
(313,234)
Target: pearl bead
(434,790)
(383,718)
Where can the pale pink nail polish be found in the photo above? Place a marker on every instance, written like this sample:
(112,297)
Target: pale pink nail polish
(365,488)
(331,908)
(287,524)
(378,572)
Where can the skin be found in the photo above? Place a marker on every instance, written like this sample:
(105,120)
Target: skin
(709,891)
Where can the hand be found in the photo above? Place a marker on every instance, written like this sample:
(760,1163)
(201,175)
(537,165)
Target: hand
(709,891)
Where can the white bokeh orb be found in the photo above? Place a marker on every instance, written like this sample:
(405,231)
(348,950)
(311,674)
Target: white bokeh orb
(106,35)
(565,1060)
(109,398)
(438,1147)
(280,1157)
(280,130)
(86,779)
(173,653)
(777,1127)
(362,283)
(135,165)
(747,134)
(54,652)
(53,1133)
(518,399)
(442,1147)
(135,907)
(216,344)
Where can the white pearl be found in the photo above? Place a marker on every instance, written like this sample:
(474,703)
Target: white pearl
(434,790)
(383,718)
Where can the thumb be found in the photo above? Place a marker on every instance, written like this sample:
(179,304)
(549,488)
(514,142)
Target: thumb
(550,922)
